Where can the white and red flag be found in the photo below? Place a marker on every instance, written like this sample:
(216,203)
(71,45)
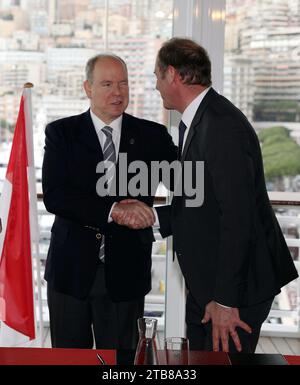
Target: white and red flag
(18,212)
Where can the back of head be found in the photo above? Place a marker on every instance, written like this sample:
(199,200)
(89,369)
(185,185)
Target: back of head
(188,58)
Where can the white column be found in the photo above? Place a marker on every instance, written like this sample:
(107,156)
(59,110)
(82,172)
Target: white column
(204,22)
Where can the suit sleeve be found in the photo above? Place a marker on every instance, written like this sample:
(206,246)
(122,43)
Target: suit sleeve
(164,217)
(168,152)
(60,196)
(231,168)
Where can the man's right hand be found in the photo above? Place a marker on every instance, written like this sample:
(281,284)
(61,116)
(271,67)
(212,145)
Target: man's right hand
(133,214)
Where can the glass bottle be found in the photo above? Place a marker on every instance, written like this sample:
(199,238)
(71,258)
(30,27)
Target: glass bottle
(146,352)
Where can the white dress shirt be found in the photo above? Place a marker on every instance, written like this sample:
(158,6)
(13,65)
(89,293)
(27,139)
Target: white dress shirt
(116,126)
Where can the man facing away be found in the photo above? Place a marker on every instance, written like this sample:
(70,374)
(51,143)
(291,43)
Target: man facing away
(97,271)
(230,249)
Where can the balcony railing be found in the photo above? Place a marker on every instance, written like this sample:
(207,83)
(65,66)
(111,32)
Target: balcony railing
(284,318)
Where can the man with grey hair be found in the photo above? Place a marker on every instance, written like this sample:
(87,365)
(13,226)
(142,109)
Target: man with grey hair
(97,271)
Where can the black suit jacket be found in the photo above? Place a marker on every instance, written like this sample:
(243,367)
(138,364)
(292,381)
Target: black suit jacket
(72,152)
(230,249)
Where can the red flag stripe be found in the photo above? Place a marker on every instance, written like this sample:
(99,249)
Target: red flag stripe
(15,266)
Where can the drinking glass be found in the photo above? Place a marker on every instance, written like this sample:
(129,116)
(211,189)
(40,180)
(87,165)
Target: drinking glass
(177,350)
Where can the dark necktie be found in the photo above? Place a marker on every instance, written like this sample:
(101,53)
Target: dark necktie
(109,154)
(182,128)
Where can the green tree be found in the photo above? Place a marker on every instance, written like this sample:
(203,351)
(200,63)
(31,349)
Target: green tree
(281,154)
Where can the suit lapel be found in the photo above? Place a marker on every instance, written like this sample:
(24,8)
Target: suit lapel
(197,118)
(129,138)
(87,134)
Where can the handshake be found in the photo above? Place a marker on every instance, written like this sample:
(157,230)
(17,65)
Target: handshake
(133,214)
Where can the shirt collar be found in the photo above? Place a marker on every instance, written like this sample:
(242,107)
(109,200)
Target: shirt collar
(191,109)
(99,124)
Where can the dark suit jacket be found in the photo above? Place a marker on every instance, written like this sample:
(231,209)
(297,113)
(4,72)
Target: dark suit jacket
(231,248)
(72,151)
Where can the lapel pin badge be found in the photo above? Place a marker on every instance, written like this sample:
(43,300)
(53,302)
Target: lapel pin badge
(131,141)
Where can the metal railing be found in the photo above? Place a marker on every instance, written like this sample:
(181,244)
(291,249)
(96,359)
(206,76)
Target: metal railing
(284,318)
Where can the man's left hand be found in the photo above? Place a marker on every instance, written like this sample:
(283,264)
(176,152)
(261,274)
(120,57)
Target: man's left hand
(224,322)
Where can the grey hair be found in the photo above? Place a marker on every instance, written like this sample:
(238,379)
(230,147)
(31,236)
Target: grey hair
(90,65)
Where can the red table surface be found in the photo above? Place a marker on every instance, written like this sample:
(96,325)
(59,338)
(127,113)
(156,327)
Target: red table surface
(199,358)
(292,360)
(47,356)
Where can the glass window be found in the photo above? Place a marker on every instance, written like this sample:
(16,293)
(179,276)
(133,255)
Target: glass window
(48,43)
(262,78)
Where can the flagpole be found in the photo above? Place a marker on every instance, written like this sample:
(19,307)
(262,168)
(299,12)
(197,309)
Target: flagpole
(33,205)
(40,301)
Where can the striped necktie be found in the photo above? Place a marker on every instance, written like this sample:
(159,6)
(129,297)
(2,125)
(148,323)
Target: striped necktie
(109,155)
